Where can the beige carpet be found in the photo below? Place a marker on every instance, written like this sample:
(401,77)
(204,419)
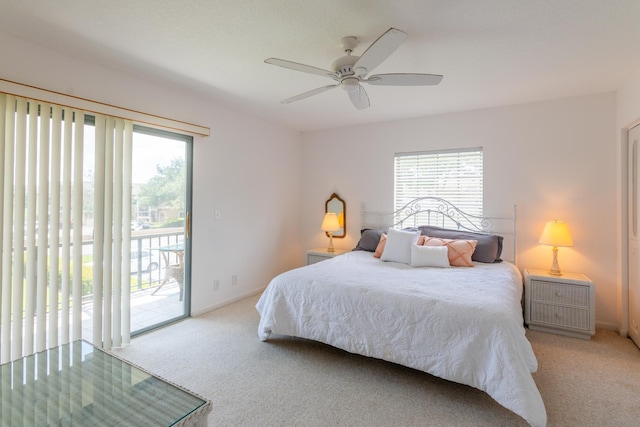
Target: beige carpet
(294,382)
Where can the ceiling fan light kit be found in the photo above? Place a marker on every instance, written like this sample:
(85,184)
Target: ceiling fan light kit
(350,83)
(351,70)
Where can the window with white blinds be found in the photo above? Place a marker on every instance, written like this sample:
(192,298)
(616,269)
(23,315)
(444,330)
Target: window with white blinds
(453,175)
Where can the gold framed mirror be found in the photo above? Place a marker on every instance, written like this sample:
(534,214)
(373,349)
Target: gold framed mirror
(337,205)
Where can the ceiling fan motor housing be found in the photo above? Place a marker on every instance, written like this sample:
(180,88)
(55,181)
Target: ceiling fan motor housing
(344,65)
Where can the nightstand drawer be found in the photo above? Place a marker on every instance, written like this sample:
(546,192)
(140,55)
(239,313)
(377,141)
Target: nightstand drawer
(322,254)
(312,258)
(569,317)
(559,293)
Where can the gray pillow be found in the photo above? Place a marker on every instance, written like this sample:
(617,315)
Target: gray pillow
(488,249)
(369,240)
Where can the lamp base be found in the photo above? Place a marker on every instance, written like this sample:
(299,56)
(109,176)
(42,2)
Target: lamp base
(555,268)
(330,248)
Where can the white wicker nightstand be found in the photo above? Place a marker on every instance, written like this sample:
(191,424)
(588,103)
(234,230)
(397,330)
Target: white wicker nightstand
(321,254)
(560,304)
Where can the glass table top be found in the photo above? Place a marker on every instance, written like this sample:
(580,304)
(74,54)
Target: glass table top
(78,384)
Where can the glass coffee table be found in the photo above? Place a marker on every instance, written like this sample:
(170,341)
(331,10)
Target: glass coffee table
(78,384)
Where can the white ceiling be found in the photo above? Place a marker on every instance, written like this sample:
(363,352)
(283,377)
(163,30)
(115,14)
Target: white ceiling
(491,52)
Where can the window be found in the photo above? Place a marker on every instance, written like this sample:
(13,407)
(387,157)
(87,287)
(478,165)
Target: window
(453,175)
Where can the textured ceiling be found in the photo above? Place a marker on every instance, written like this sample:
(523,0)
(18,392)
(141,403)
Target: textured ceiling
(491,52)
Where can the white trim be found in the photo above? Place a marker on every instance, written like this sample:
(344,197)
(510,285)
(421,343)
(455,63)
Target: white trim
(89,106)
(219,304)
(624,273)
(623,327)
(443,151)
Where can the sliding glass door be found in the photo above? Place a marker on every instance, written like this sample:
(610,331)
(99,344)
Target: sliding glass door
(160,222)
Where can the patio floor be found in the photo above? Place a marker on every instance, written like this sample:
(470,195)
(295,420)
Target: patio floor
(146,309)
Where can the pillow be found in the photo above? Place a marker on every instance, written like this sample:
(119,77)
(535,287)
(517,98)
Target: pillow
(380,247)
(429,256)
(488,249)
(398,245)
(459,251)
(369,240)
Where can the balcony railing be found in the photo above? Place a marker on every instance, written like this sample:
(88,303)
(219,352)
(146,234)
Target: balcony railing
(147,262)
(148,274)
(148,309)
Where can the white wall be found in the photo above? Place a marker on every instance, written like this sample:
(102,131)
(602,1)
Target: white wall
(248,168)
(554,159)
(628,101)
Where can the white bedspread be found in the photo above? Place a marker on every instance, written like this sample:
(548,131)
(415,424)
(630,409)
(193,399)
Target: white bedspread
(460,324)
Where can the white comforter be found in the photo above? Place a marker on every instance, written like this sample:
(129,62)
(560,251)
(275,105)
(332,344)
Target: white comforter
(461,324)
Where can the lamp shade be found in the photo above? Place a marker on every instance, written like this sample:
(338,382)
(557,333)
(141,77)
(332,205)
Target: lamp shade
(330,222)
(556,233)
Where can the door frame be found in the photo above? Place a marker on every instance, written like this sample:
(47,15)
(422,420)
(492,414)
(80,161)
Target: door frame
(624,301)
(188,141)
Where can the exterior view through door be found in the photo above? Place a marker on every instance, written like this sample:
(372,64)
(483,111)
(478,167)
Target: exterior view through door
(161,218)
(159,244)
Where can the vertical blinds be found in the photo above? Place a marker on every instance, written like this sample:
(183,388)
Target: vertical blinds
(41,217)
(454,175)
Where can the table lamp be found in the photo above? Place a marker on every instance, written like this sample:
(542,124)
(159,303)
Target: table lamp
(330,224)
(555,234)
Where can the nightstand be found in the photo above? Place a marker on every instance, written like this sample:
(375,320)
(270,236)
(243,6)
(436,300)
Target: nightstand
(559,304)
(321,254)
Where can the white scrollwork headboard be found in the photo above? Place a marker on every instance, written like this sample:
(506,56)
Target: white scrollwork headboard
(439,212)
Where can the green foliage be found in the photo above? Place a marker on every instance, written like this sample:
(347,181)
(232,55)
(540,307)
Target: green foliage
(174,222)
(166,188)
(87,280)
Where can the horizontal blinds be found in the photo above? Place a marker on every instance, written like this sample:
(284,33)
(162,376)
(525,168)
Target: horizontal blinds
(454,175)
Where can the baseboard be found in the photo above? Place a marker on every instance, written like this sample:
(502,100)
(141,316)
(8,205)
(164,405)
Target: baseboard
(608,326)
(227,302)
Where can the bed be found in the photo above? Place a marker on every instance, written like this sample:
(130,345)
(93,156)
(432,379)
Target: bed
(463,324)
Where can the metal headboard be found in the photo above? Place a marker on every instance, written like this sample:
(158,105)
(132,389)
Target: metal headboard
(439,212)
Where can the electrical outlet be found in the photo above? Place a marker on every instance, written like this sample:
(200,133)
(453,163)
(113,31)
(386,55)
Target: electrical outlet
(234,279)
(216,285)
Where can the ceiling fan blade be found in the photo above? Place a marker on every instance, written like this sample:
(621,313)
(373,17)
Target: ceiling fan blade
(308,94)
(404,79)
(379,50)
(301,67)
(358,97)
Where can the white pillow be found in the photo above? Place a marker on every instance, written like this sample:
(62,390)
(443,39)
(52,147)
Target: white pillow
(429,256)
(398,246)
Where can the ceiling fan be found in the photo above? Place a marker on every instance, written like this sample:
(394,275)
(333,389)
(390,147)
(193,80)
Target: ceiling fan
(350,70)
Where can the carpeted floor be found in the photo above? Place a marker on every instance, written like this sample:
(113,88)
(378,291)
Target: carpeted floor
(294,382)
